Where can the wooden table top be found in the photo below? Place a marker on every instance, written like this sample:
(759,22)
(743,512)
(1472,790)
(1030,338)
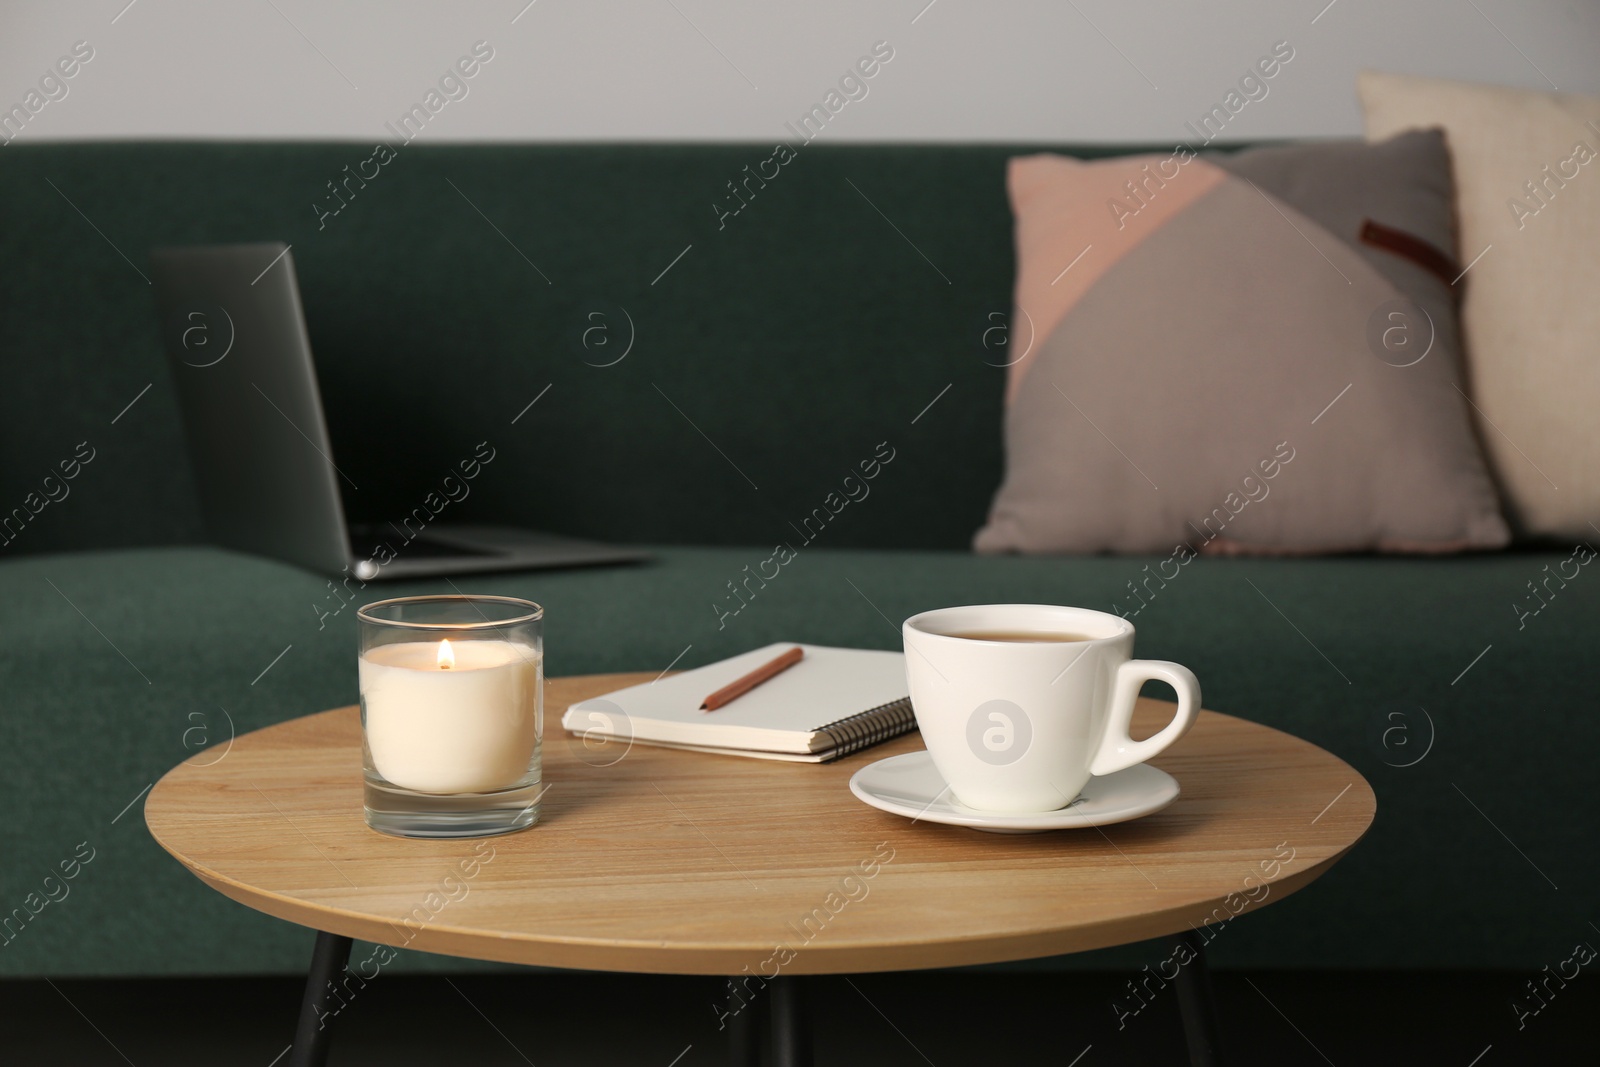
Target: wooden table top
(676,862)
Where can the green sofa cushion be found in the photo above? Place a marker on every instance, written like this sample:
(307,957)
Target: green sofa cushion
(795,335)
(111,659)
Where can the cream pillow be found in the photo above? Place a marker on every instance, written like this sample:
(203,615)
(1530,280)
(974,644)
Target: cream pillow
(1527,174)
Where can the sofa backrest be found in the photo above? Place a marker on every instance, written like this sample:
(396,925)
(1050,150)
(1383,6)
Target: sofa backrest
(793,313)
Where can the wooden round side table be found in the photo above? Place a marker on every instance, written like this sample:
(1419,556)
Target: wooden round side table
(671,862)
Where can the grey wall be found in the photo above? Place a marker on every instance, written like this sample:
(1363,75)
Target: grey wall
(1032,70)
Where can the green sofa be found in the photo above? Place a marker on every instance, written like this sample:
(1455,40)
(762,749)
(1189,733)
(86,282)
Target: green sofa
(847,311)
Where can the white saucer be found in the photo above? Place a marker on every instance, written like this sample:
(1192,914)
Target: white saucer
(912,786)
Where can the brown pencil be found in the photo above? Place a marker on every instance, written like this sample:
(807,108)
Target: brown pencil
(739,687)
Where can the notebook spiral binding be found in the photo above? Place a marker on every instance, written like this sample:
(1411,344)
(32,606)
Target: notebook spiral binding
(869,727)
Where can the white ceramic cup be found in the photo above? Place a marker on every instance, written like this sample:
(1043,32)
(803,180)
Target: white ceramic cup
(1021,726)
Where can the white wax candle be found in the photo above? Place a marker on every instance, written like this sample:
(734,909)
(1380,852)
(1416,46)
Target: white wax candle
(468,728)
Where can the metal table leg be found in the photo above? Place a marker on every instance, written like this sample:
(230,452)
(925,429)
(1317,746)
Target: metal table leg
(746,1029)
(791,1023)
(311,1038)
(1196,1005)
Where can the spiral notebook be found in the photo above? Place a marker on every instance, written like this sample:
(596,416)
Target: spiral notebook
(833,702)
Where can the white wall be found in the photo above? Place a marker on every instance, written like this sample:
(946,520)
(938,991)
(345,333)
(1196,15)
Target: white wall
(1031,70)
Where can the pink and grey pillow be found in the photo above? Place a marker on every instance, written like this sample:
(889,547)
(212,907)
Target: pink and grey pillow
(1249,353)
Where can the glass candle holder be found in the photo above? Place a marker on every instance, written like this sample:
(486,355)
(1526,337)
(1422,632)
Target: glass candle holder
(452,702)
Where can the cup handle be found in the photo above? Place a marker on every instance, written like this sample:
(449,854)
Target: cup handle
(1118,751)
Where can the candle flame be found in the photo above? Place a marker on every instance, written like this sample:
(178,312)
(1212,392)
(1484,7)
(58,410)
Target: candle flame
(447,655)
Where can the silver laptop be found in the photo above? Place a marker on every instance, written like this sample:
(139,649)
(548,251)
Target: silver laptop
(268,480)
